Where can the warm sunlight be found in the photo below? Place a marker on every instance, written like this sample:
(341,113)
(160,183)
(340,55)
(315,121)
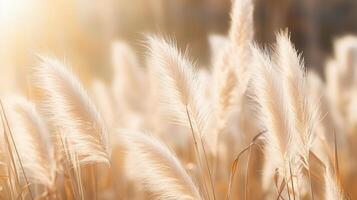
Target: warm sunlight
(178,99)
(15,10)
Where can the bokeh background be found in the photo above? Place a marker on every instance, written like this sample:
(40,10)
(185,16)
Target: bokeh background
(82,31)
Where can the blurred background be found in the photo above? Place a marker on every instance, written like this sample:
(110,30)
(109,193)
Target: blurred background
(81,31)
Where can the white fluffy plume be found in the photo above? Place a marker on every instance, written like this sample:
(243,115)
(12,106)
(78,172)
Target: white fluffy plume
(242,25)
(232,68)
(152,163)
(32,140)
(181,90)
(303,109)
(273,111)
(69,109)
(299,109)
(236,57)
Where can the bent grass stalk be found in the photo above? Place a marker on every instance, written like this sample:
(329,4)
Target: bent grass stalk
(235,164)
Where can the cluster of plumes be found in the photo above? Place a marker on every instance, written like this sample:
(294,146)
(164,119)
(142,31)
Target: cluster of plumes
(255,125)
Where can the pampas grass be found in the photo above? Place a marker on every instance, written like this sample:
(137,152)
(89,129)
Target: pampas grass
(153,164)
(180,86)
(183,97)
(253,124)
(32,140)
(71,111)
(273,112)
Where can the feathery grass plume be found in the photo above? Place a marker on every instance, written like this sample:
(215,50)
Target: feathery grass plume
(242,24)
(273,113)
(32,141)
(181,90)
(182,95)
(236,55)
(223,100)
(152,163)
(231,70)
(302,108)
(241,35)
(128,84)
(70,110)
